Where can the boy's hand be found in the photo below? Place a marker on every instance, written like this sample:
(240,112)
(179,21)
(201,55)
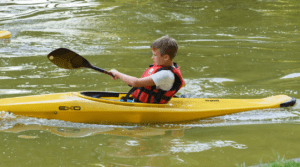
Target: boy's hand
(115,73)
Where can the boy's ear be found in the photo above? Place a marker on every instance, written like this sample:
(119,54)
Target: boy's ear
(166,56)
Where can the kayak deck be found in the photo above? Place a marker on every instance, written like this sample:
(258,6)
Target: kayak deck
(106,107)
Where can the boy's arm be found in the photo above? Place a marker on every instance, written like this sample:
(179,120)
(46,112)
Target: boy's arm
(133,81)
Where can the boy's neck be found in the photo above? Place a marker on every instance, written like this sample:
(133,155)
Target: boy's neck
(168,63)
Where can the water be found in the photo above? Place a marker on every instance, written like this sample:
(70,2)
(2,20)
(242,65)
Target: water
(228,49)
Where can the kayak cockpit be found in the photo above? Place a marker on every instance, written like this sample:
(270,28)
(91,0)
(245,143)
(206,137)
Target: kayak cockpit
(104,95)
(114,97)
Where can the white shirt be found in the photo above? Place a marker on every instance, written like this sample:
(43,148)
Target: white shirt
(163,79)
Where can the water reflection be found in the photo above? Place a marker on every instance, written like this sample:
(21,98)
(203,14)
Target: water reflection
(195,146)
(153,145)
(4,41)
(131,131)
(14,91)
(294,75)
(22,10)
(113,150)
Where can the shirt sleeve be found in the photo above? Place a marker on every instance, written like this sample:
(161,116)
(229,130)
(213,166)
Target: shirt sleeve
(163,79)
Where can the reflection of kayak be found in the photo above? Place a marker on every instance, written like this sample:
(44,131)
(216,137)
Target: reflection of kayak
(84,131)
(106,107)
(61,131)
(5,34)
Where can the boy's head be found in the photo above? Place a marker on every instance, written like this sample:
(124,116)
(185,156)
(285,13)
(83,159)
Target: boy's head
(166,45)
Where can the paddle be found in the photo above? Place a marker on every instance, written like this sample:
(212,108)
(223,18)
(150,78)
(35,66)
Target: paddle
(68,59)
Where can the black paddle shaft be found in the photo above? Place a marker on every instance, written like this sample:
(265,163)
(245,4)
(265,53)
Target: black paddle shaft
(101,70)
(68,59)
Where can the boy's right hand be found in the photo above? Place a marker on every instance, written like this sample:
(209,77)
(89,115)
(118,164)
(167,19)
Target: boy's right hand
(115,73)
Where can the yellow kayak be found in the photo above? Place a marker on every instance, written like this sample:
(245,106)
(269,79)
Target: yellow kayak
(5,34)
(106,107)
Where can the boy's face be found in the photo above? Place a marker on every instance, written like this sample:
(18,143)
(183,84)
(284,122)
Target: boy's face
(157,58)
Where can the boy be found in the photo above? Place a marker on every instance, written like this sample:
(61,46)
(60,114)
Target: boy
(160,81)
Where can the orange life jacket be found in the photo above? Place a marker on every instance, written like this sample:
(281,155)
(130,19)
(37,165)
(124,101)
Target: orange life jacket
(149,94)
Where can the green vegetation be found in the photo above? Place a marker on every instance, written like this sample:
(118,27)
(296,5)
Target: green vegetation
(280,162)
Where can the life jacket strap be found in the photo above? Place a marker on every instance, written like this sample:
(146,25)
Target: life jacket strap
(158,96)
(129,93)
(150,93)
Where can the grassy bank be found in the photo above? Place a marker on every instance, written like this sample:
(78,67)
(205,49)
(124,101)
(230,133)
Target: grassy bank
(280,162)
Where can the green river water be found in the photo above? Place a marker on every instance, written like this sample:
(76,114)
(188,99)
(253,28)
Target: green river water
(227,49)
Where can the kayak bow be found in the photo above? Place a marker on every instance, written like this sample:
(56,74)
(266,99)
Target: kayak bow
(106,107)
